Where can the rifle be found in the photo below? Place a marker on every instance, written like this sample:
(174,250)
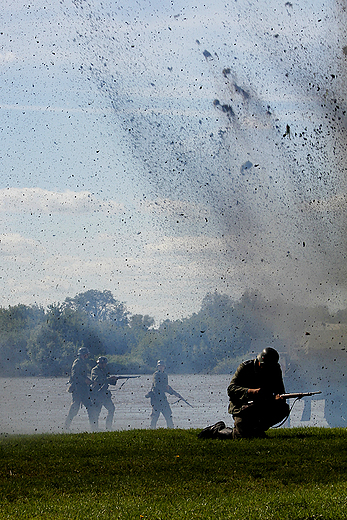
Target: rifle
(112,380)
(294,395)
(298,395)
(115,378)
(180,398)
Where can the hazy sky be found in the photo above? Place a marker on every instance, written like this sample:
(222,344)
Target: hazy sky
(171,149)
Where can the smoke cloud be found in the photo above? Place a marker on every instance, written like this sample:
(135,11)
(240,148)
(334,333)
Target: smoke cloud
(240,110)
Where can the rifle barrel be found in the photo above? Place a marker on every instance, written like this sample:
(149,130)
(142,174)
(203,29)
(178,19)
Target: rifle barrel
(185,401)
(299,395)
(181,398)
(126,377)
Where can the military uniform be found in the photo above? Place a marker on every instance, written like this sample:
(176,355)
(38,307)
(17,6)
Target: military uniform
(252,393)
(254,415)
(101,378)
(80,390)
(159,400)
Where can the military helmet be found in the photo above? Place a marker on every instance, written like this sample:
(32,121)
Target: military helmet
(82,351)
(102,359)
(269,356)
(160,362)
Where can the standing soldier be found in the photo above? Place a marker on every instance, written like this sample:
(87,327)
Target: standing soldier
(80,387)
(159,402)
(101,378)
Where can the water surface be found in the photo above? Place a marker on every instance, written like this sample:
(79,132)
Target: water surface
(39,405)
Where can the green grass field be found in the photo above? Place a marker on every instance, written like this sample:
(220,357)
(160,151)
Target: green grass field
(171,474)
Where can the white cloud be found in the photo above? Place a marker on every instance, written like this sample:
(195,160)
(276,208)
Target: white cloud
(7,57)
(13,245)
(38,200)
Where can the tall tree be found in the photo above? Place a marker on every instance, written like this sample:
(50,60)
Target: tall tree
(16,322)
(99,306)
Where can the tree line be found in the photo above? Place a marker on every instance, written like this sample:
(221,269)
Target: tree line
(38,341)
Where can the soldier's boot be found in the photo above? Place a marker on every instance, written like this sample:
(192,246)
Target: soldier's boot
(225,433)
(210,432)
